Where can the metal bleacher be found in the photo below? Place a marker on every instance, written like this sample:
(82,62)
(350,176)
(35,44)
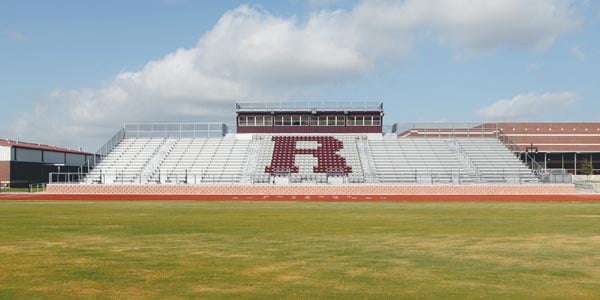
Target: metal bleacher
(197,160)
(493,161)
(446,160)
(124,164)
(306,163)
(197,154)
(416,160)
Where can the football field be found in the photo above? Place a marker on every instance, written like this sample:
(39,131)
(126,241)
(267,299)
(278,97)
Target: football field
(299,250)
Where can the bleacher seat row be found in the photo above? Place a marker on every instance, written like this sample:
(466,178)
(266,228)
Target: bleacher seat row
(343,158)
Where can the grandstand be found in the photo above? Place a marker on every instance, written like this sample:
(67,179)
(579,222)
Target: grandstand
(309,143)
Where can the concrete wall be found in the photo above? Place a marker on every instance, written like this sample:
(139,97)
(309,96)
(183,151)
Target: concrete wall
(586,178)
(300,190)
(586,187)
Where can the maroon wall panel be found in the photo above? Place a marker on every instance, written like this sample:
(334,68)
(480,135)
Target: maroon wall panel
(309,129)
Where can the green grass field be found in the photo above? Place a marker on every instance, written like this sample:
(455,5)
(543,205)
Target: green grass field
(299,250)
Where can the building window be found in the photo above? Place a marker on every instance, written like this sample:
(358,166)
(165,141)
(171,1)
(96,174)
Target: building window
(314,121)
(304,120)
(359,121)
(363,121)
(330,121)
(377,121)
(268,121)
(293,121)
(322,121)
(256,121)
(349,121)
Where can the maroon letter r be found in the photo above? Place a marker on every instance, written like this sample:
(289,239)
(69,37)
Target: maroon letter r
(285,152)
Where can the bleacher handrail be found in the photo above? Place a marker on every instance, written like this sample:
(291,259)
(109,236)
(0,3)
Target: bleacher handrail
(174,130)
(537,168)
(109,146)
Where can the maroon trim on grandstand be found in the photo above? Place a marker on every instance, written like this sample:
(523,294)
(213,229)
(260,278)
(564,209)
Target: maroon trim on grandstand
(309,129)
(10,143)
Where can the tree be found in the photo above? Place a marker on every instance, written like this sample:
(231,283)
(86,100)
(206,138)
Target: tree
(586,167)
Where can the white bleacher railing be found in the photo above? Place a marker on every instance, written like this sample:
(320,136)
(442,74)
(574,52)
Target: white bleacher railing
(447,130)
(174,130)
(109,146)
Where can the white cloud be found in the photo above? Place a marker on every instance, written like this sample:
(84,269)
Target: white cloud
(478,25)
(251,46)
(169,89)
(251,54)
(530,106)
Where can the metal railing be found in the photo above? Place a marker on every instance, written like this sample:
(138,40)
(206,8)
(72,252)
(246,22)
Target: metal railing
(537,168)
(174,130)
(66,177)
(556,176)
(449,130)
(457,177)
(37,187)
(411,176)
(309,106)
(109,146)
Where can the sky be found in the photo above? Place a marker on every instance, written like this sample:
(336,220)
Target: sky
(72,72)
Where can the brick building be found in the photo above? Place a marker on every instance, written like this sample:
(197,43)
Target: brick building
(24,163)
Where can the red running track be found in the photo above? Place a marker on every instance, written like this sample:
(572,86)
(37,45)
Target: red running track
(332,198)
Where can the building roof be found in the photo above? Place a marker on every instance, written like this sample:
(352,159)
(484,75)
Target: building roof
(19,144)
